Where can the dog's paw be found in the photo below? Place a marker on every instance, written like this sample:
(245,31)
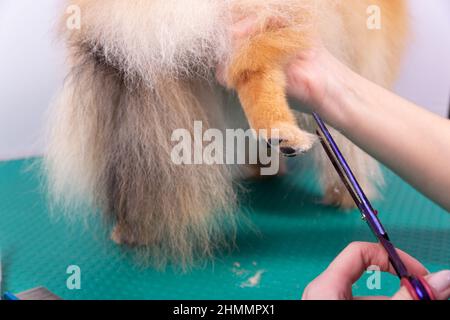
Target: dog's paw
(290,139)
(338,196)
(116,236)
(119,237)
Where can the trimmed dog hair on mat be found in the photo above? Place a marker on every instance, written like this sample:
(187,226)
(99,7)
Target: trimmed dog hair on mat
(140,69)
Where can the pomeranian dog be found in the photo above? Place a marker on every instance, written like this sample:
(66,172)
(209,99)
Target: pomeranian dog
(139,69)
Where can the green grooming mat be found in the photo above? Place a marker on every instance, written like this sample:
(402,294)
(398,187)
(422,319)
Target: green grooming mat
(287,240)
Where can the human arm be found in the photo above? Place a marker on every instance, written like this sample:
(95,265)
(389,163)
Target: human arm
(410,140)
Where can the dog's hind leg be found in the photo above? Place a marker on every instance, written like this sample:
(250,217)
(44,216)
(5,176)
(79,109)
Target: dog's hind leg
(111,147)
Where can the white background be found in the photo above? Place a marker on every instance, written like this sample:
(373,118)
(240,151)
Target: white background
(32,68)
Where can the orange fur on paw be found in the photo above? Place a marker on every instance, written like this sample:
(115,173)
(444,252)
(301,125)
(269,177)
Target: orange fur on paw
(290,139)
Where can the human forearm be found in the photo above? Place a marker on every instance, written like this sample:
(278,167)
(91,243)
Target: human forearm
(410,140)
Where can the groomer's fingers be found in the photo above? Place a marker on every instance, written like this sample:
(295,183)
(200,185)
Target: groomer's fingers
(439,283)
(337,280)
(402,294)
(239,31)
(358,256)
(243,28)
(250,25)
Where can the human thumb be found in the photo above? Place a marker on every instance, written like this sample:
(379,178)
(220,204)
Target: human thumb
(439,283)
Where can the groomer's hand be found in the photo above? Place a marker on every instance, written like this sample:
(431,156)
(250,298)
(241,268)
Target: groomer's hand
(310,74)
(391,129)
(335,283)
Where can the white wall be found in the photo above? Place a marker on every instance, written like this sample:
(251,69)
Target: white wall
(31,68)
(30,73)
(425,77)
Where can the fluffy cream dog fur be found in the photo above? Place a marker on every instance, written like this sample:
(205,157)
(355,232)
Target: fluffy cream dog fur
(142,68)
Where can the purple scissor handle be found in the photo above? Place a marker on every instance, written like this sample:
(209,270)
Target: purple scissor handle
(417,286)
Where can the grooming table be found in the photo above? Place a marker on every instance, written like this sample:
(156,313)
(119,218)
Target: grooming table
(285,240)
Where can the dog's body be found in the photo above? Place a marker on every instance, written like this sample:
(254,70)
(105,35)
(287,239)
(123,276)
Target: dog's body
(143,68)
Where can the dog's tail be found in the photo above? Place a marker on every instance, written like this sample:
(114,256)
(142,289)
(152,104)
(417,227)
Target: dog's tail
(110,147)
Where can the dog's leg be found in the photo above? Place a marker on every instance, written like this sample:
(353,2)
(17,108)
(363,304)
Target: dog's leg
(257,73)
(111,146)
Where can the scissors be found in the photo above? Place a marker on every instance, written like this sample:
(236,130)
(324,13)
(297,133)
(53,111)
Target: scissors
(417,286)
